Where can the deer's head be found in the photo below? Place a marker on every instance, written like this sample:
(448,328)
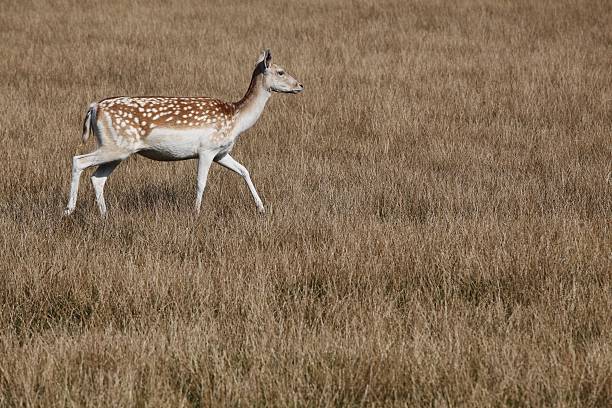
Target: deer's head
(275,78)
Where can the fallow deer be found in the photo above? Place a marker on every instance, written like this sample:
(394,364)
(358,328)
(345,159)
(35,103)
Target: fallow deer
(176,128)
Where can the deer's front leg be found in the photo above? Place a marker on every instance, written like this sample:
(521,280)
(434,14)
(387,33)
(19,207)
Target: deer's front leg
(229,162)
(204,161)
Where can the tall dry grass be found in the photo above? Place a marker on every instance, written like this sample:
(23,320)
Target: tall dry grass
(440,208)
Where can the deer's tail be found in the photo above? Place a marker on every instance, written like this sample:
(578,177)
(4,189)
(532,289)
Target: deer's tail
(89,124)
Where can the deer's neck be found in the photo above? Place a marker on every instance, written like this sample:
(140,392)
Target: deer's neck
(252,104)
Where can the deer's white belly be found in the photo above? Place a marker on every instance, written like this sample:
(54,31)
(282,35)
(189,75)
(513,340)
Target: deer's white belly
(167,144)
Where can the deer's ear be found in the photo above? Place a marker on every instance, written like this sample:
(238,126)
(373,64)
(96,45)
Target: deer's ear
(264,58)
(267,58)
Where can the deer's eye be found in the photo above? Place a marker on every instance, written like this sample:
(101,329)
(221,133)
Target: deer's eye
(281,73)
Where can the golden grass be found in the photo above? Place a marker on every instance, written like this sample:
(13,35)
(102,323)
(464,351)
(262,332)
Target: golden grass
(440,208)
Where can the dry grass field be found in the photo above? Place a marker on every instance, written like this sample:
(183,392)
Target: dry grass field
(439,226)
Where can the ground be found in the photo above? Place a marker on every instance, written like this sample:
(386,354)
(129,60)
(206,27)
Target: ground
(439,226)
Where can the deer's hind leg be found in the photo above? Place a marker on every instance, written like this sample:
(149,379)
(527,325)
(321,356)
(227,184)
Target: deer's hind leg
(81,162)
(98,179)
